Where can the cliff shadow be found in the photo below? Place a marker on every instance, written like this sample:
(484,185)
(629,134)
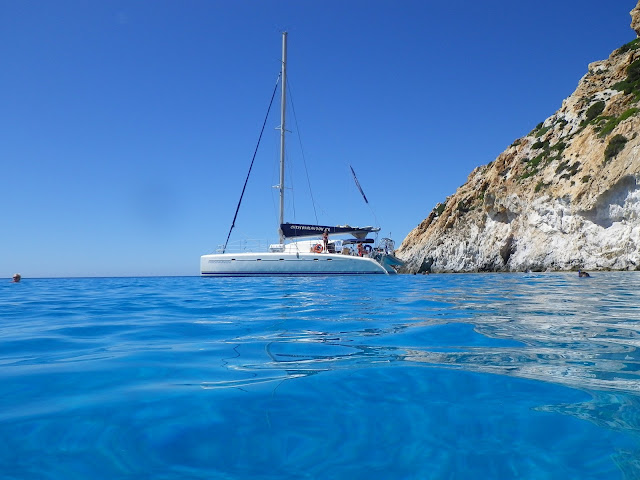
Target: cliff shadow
(601,213)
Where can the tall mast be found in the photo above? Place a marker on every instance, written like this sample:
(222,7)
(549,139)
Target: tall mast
(282,129)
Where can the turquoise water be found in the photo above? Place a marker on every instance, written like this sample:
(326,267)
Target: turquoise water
(486,376)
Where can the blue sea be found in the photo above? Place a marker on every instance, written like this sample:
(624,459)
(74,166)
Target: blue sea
(488,376)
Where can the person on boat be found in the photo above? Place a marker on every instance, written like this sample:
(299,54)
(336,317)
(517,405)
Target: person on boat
(360,250)
(16,278)
(583,274)
(325,240)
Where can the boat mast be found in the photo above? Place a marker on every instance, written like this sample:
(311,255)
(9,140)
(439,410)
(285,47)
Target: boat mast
(282,129)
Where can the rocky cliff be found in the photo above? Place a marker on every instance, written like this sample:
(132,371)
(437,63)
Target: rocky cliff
(563,197)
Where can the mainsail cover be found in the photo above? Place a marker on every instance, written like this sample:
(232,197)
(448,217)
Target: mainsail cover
(291,230)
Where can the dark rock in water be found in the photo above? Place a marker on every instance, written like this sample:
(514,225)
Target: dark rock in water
(426,265)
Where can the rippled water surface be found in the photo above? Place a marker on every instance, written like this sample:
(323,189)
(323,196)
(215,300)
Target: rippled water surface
(487,376)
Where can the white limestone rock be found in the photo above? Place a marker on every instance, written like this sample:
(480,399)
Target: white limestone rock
(556,199)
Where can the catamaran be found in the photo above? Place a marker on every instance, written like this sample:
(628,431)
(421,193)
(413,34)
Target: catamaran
(305,249)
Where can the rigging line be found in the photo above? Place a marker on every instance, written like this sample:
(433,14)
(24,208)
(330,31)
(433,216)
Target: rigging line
(233,224)
(304,160)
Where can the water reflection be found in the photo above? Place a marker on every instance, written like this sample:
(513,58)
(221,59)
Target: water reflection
(452,374)
(552,328)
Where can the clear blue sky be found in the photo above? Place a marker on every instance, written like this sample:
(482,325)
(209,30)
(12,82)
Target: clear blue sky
(127,128)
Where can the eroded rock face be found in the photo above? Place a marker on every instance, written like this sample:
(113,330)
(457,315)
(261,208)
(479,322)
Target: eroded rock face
(635,19)
(565,196)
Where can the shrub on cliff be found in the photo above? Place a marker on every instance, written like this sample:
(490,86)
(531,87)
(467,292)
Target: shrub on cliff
(539,144)
(632,83)
(612,122)
(615,146)
(633,72)
(439,208)
(632,45)
(594,110)
(542,131)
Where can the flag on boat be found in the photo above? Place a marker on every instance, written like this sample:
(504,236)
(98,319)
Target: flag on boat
(358,184)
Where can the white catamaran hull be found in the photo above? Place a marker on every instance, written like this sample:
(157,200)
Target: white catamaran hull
(318,256)
(270,263)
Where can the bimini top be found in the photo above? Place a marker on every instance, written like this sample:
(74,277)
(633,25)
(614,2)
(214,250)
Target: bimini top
(292,230)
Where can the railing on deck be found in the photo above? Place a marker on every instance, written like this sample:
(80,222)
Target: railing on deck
(247,246)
